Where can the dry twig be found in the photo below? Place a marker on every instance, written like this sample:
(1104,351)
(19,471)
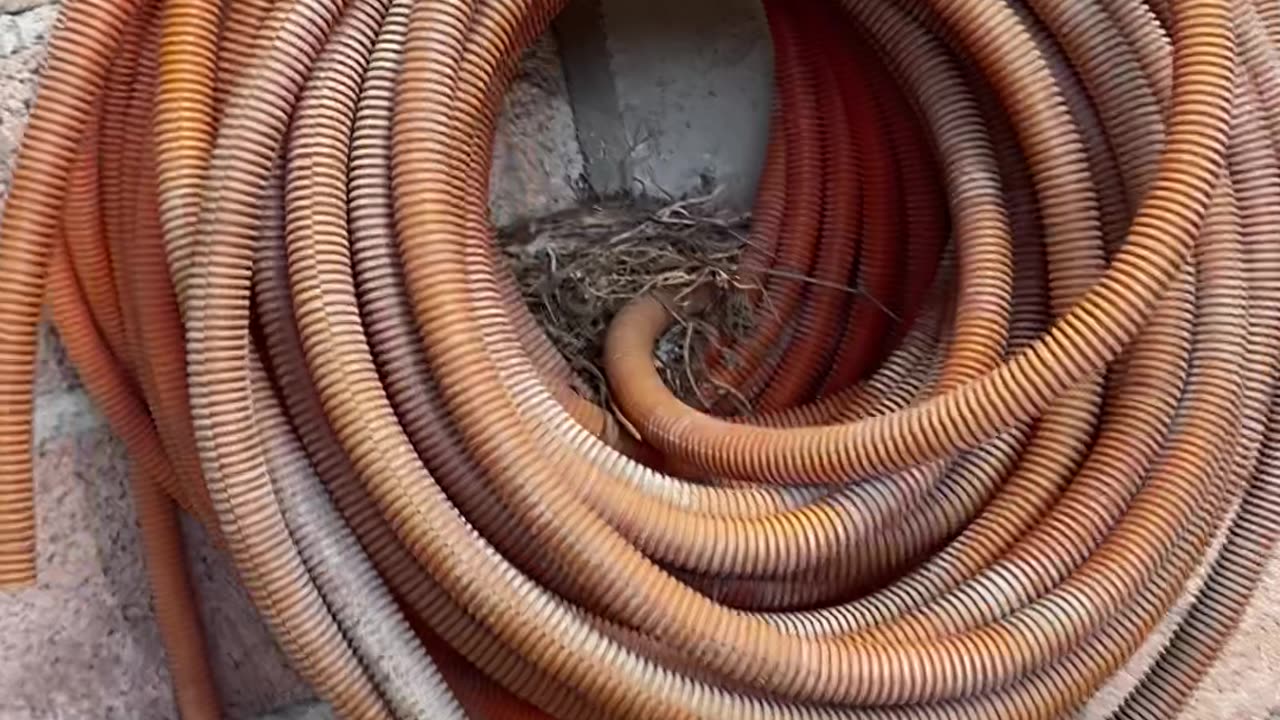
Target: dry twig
(577,268)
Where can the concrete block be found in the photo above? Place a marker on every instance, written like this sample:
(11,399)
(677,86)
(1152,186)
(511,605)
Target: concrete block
(537,165)
(671,98)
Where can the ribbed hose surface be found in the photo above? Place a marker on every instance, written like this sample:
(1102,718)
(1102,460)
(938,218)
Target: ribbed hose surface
(970,488)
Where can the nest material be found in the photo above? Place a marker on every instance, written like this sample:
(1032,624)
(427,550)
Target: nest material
(577,268)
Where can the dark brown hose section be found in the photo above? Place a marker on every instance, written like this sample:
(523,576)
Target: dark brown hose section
(1015,276)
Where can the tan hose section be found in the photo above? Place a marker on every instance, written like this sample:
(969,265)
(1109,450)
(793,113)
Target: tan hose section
(1015,275)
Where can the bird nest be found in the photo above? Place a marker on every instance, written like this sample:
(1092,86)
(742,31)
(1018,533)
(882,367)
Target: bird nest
(579,267)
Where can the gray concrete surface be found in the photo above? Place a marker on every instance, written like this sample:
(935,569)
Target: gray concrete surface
(537,164)
(681,96)
(671,97)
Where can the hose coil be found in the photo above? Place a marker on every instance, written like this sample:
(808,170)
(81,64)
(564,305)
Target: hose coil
(969,490)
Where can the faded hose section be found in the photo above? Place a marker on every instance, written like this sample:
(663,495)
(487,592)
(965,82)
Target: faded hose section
(1010,378)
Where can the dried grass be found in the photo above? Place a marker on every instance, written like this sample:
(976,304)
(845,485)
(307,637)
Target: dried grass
(577,268)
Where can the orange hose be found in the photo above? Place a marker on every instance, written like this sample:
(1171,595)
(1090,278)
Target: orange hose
(1016,298)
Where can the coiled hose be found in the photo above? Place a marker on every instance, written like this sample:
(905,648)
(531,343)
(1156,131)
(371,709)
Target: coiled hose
(969,489)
